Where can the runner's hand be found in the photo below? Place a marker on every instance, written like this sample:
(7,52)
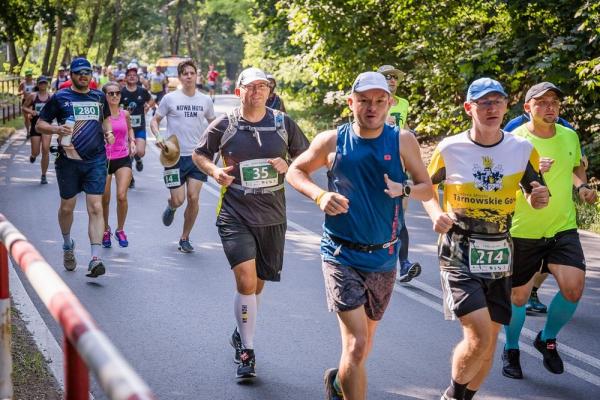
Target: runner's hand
(588,195)
(132,148)
(279,164)
(545,164)
(539,196)
(64,130)
(334,203)
(160,144)
(222,177)
(394,189)
(442,223)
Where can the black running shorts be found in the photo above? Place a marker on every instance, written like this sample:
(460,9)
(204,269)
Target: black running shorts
(114,165)
(261,243)
(348,289)
(464,293)
(533,255)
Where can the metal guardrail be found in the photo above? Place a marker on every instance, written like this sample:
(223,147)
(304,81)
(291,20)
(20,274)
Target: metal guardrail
(10,101)
(85,346)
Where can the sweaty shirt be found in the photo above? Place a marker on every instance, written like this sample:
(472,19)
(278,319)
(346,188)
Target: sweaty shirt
(134,103)
(560,213)
(252,209)
(373,217)
(186,117)
(481,182)
(89,110)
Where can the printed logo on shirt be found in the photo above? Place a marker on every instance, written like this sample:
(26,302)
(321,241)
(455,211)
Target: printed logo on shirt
(488,177)
(190,111)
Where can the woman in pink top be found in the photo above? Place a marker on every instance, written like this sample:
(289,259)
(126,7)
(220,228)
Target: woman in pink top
(119,155)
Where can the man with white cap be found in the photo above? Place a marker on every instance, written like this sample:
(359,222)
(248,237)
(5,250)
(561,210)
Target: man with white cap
(188,113)
(482,169)
(363,217)
(255,144)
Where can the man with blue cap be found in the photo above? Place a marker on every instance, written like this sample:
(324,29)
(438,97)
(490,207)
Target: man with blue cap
(363,217)
(81,161)
(481,168)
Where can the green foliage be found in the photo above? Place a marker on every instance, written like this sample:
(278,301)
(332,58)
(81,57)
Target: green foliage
(588,216)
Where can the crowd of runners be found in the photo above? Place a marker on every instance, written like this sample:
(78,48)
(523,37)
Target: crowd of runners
(506,217)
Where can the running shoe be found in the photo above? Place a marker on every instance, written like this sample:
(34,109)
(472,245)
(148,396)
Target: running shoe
(132,183)
(122,238)
(168,215)
(408,271)
(31,159)
(236,342)
(246,369)
(106,243)
(69,261)
(511,364)
(53,149)
(139,165)
(535,305)
(185,246)
(552,360)
(43,180)
(330,392)
(95,268)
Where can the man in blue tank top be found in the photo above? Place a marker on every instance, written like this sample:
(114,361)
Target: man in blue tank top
(363,217)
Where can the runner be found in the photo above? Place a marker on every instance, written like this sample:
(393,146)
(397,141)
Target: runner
(363,207)
(226,85)
(121,80)
(534,304)
(119,162)
(103,78)
(26,87)
(254,143)
(188,113)
(158,84)
(211,81)
(134,99)
(274,101)
(81,163)
(60,78)
(547,239)
(481,168)
(398,116)
(33,105)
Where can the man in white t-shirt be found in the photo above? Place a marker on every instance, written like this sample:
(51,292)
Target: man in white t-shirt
(188,113)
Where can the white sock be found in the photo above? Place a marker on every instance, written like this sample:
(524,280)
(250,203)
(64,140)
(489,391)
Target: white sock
(96,250)
(245,315)
(258,297)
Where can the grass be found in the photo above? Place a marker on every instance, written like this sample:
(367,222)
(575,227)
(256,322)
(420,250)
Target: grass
(588,216)
(307,119)
(9,128)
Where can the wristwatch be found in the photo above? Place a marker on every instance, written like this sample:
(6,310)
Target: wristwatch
(583,185)
(406,189)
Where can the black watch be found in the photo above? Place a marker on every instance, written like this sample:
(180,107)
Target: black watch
(406,189)
(583,185)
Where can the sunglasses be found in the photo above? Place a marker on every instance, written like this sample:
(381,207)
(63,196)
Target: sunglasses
(115,94)
(390,77)
(84,72)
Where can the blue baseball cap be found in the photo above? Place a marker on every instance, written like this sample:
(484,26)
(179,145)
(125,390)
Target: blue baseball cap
(79,64)
(483,86)
(370,80)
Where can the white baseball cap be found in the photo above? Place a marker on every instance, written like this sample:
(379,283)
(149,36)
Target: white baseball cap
(370,80)
(250,75)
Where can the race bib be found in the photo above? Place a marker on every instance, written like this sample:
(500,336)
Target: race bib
(136,121)
(258,174)
(171,177)
(156,86)
(487,256)
(38,107)
(86,111)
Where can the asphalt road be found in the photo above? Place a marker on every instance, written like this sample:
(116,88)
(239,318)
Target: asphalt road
(170,314)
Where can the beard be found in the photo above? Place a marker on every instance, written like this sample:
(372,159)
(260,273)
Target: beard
(79,86)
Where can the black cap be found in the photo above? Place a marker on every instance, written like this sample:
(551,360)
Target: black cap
(538,90)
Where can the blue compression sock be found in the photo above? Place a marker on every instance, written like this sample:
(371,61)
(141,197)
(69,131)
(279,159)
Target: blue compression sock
(513,331)
(560,312)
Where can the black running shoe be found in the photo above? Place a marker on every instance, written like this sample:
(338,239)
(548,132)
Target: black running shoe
(236,342)
(511,364)
(132,183)
(552,360)
(246,369)
(31,159)
(329,378)
(139,165)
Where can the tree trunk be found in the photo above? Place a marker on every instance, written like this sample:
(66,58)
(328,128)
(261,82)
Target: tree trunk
(188,42)
(116,28)
(177,27)
(66,60)
(12,54)
(93,25)
(25,53)
(57,42)
(47,53)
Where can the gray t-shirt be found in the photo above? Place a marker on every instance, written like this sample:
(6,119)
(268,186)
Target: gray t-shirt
(186,117)
(246,145)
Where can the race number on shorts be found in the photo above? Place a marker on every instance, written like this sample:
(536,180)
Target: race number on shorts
(172,177)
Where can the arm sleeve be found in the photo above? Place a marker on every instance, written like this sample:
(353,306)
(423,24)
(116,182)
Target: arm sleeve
(532,172)
(210,141)
(437,167)
(297,141)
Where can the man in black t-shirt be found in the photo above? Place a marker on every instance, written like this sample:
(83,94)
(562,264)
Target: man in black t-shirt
(254,143)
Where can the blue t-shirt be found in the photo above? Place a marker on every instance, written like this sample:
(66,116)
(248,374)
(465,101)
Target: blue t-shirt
(524,118)
(373,217)
(89,110)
